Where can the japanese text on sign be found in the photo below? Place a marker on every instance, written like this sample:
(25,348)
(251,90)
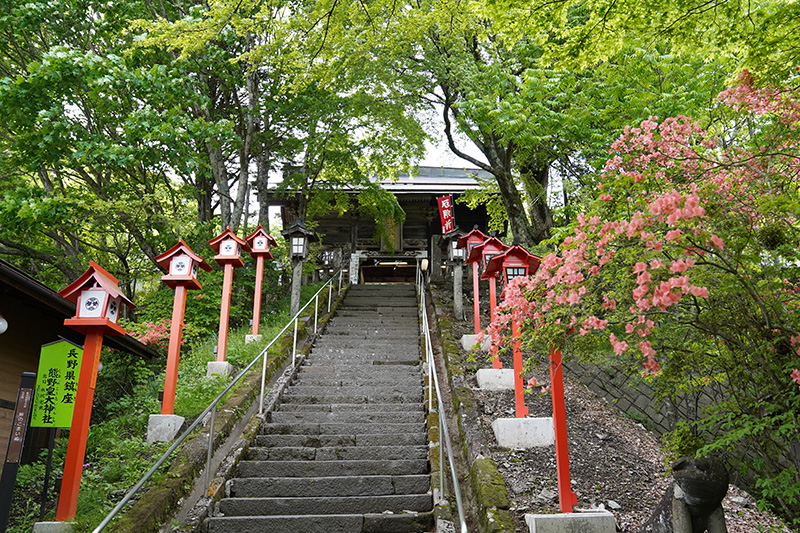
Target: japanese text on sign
(56,385)
(446,213)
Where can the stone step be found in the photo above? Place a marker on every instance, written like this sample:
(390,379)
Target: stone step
(361,439)
(334,453)
(292,487)
(339,523)
(344,370)
(360,389)
(396,314)
(311,428)
(354,407)
(344,397)
(362,357)
(374,343)
(358,467)
(366,417)
(343,380)
(395,503)
(355,356)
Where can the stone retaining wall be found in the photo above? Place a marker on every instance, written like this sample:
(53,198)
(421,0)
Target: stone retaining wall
(635,398)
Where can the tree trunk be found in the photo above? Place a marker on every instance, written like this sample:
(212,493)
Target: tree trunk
(536,181)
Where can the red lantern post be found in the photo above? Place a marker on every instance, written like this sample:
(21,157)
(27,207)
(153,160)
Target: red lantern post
(97,297)
(469,241)
(182,265)
(484,252)
(566,498)
(228,248)
(260,242)
(514,262)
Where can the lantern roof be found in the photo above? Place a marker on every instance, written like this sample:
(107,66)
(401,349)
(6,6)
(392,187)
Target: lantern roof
(490,245)
(298,227)
(95,276)
(181,248)
(261,232)
(454,235)
(475,235)
(216,242)
(516,255)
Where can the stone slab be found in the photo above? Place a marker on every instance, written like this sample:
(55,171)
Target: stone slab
(163,428)
(54,527)
(252,338)
(496,378)
(591,522)
(219,368)
(524,433)
(469,341)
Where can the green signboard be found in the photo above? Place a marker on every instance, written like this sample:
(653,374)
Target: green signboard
(56,385)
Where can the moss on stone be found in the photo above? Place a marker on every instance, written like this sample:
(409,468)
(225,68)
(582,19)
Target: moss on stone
(488,485)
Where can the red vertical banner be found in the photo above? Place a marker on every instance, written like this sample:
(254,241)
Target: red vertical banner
(446,213)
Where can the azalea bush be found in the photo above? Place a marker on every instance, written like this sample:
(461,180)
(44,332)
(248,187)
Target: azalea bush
(687,266)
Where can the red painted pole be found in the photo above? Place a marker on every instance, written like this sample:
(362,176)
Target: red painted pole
(567,499)
(79,430)
(519,388)
(174,352)
(476,298)
(492,305)
(225,311)
(257,294)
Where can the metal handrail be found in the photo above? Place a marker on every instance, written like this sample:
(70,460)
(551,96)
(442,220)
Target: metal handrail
(440,406)
(212,408)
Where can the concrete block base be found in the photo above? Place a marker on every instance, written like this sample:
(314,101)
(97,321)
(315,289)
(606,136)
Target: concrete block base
(219,368)
(591,522)
(53,527)
(469,341)
(252,338)
(495,378)
(524,433)
(163,428)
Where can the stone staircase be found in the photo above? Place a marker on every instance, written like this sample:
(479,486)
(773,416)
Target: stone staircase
(346,450)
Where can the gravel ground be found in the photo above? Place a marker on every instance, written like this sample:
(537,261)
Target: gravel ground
(615,463)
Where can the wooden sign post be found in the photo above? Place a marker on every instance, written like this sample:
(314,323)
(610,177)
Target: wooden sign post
(19,428)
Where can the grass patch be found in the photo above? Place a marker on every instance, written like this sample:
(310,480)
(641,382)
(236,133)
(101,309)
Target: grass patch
(117,455)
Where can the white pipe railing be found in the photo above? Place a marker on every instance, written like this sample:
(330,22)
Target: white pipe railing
(443,432)
(212,408)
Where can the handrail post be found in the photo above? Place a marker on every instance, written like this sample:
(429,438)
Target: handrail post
(316,312)
(341,275)
(330,292)
(210,447)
